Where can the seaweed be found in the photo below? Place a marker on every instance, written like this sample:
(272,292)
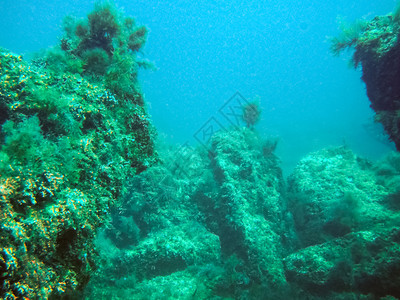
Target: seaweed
(103,48)
(137,38)
(103,27)
(251,113)
(96,61)
(349,35)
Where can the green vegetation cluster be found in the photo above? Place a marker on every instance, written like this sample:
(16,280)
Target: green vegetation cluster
(377,49)
(103,48)
(73,128)
(251,113)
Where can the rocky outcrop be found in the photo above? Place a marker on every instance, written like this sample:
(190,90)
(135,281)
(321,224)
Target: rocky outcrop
(377,50)
(333,192)
(363,262)
(348,226)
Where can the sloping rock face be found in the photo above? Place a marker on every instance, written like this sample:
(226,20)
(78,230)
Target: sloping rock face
(364,262)
(379,53)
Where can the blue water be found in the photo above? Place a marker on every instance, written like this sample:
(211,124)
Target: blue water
(206,51)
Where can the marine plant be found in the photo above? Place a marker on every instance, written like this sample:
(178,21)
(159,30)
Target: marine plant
(251,113)
(348,37)
(102,47)
(368,39)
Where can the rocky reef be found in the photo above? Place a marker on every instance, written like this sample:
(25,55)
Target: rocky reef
(225,225)
(211,228)
(377,49)
(347,225)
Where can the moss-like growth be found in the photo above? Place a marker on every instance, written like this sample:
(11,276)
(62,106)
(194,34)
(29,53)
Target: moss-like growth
(103,28)
(137,38)
(96,61)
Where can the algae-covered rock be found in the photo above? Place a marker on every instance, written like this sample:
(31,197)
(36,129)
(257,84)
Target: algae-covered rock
(333,192)
(377,50)
(67,145)
(192,283)
(249,204)
(170,250)
(170,240)
(346,215)
(214,222)
(366,262)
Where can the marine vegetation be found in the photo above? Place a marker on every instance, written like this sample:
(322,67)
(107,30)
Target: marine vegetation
(376,48)
(68,141)
(102,47)
(349,35)
(251,113)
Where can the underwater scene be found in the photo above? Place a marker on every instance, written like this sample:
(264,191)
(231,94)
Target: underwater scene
(199,150)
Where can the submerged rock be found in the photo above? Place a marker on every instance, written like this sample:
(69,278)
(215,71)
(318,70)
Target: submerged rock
(332,193)
(68,141)
(363,262)
(218,218)
(347,221)
(377,50)
(249,204)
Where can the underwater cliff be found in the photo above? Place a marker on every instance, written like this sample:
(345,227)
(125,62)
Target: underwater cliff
(376,48)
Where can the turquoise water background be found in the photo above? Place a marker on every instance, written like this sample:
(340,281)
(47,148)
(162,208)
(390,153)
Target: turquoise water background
(206,51)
